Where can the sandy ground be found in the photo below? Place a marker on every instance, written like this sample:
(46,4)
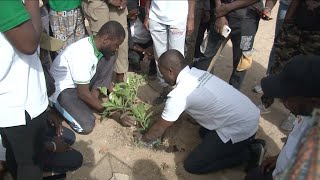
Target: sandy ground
(109,149)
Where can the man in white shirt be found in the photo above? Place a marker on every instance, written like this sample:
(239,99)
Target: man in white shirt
(228,119)
(23,95)
(169,22)
(298,88)
(80,70)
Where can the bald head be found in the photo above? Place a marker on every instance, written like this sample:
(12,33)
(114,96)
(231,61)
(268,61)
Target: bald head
(172,59)
(170,64)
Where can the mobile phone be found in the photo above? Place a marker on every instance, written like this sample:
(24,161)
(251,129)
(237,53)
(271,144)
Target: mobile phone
(226,31)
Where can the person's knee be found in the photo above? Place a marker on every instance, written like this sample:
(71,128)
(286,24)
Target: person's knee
(86,128)
(77,160)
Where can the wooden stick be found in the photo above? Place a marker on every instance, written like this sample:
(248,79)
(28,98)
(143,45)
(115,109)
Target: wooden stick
(215,57)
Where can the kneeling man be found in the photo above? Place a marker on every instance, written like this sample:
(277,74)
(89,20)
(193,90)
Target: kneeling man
(78,72)
(228,119)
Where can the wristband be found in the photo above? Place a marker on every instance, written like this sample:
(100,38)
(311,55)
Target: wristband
(54,146)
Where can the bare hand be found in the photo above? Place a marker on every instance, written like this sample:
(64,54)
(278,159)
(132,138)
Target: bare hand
(190,26)
(61,145)
(148,53)
(55,121)
(222,10)
(265,15)
(220,22)
(126,120)
(269,164)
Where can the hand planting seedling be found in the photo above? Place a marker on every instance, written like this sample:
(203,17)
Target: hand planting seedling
(123,99)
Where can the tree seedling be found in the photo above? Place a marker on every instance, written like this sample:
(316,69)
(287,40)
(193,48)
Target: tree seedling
(123,99)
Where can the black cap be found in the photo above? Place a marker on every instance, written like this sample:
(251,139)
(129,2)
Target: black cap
(299,77)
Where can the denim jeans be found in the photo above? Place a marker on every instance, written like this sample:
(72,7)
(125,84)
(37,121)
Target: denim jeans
(243,31)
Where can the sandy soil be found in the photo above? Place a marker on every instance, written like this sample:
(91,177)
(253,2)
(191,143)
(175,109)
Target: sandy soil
(110,149)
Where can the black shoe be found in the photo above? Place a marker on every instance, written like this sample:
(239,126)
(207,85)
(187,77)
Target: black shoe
(258,150)
(62,176)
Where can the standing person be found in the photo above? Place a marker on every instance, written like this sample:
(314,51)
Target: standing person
(286,124)
(80,70)
(191,39)
(66,21)
(23,94)
(243,20)
(299,34)
(168,29)
(98,12)
(297,89)
(228,119)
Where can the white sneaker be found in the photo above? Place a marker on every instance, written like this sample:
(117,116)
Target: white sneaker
(257,88)
(288,123)
(263,110)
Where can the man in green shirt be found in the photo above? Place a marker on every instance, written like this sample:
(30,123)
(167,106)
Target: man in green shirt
(66,20)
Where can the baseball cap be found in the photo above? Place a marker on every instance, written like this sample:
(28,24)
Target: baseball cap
(299,77)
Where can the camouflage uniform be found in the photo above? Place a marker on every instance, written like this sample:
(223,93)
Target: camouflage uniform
(294,39)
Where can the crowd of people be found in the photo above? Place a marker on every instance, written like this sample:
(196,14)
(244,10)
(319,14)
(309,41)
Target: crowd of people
(56,54)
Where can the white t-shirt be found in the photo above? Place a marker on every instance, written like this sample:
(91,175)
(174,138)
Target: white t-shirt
(293,140)
(75,65)
(214,104)
(169,12)
(22,86)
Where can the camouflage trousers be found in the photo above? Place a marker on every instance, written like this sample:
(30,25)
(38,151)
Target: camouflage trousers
(292,41)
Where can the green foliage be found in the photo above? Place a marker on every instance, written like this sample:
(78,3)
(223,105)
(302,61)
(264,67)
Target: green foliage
(142,116)
(124,99)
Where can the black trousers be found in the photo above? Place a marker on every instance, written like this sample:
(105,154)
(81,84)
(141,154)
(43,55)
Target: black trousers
(212,154)
(242,36)
(62,162)
(24,147)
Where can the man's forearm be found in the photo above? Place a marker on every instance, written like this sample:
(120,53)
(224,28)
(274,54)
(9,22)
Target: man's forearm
(32,7)
(191,6)
(147,8)
(91,101)
(156,130)
(217,3)
(270,4)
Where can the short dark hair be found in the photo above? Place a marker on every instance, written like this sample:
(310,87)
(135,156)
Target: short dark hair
(172,59)
(113,29)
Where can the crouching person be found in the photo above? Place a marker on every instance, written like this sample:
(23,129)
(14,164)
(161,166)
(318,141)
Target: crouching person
(228,119)
(78,72)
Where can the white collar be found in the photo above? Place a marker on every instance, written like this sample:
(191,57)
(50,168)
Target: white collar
(183,73)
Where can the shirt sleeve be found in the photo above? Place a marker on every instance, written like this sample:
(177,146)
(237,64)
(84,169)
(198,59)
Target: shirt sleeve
(175,105)
(81,70)
(12,14)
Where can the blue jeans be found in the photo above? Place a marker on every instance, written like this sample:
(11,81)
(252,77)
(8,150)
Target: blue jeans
(280,18)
